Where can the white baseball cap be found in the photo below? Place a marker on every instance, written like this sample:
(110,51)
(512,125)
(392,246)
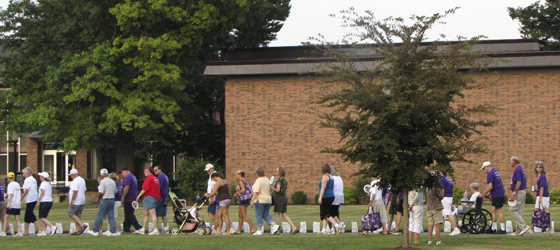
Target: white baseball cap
(486,163)
(73,171)
(208,167)
(44,174)
(103,171)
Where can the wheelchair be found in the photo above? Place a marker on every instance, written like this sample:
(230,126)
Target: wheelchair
(474,220)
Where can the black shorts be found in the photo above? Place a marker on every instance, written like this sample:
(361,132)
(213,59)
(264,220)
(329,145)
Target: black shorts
(281,204)
(498,202)
(29,215)
(400,206)
(394,206)
(44,208)
(326,207)
(13,211)
(245,203)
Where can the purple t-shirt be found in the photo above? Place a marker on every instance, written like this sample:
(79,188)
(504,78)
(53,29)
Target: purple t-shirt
(163,185)
(498,190)
(1,192)
(132,183)
(542,182)
(118,195)
(447,184)
(518,175)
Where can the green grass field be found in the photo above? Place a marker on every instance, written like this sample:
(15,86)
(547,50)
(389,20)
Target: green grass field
(307,213)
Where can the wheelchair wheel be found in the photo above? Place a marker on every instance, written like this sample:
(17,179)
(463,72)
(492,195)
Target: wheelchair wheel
(488,219)
(475,221)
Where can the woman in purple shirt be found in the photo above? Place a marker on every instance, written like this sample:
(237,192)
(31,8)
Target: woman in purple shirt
(543,198)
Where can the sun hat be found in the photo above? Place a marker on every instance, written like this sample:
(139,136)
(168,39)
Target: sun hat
(208,167)
(486,163)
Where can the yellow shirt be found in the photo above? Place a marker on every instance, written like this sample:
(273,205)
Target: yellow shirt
(262,186)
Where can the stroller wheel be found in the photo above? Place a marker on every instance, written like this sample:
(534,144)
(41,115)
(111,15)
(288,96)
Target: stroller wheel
(200,231)
(207,230)
(175,231)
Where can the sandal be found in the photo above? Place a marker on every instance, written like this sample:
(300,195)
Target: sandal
(84,227)
(295,231)
(76,233)
(363,233)
(235,233)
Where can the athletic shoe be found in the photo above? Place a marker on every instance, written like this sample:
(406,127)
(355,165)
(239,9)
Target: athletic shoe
(155,232)
(324,232)
(490,231)
(94,233)
(274,229)
(113,234)
(338,229)
(140,231)
(167,231)
(18,235)
(531,231)
(2,234)
(439,243)
(501,232)
(514,234)
(456,231)
(257,233)
(524,230)
(41,233)
(429,242)
(106,233)
(53,230)
(549,231)
(117,234)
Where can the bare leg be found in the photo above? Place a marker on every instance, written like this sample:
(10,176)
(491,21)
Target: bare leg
(438,229)
(285,215)
(153,214)
(5,223)
(220,221)
(46,223)
(277,216)
(18,224)
(246,217)
(77,220)
(38,226)
(146,214)
(225,213)
(399,219)
(430,231)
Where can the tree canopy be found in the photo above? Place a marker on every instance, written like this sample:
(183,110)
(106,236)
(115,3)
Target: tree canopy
(404,117)
(540,21)
(82,72)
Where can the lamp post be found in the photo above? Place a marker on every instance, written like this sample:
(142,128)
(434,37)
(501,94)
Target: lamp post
(14,141)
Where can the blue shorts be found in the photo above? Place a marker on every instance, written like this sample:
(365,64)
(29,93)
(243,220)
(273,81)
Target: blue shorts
(161,209)
(149,202)
(225,203)
(212,208)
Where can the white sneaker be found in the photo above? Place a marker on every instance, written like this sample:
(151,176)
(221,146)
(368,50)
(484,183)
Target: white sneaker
(429,242)
(257,233)
(274,229)
(18,235)
(106,233)
(167,232)
(94,233)
(324,232)
(439,243)
(112,234)
(456,231)
(531,231)
(155,232)
(549,231)
(2,234)
(337,228)
(53,230)
(514,234)
(117,234)
(524,230)
(41,233)
(140,231)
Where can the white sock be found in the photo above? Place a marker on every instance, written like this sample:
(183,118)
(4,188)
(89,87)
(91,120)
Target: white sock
(503,226)
(494,226)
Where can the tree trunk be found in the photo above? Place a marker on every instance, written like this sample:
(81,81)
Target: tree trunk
(406,243)
(125,151)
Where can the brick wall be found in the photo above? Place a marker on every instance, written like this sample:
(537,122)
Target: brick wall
(82,164)
(270,123)
(33,155)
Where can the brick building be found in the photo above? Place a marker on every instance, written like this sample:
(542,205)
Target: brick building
(270,121)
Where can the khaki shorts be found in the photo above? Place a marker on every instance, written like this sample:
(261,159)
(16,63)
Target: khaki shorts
(435,217)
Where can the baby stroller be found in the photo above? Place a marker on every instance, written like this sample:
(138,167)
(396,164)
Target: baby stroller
(188,220)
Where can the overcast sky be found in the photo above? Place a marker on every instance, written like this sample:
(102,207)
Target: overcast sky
(476,17)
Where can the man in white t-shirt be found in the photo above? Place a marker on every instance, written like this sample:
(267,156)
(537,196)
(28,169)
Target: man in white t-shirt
(77,201)
(106,195)
(30,196)
(376,201)
(13,205)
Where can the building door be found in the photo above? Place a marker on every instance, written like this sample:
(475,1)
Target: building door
(58,165)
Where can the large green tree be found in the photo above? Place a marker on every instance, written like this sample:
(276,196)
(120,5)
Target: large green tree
(540,21)
(404,117)
(126,72)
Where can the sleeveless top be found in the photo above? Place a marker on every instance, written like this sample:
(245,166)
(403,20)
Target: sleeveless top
(329,190)
(223,192)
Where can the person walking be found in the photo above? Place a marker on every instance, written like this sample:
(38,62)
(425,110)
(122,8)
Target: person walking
(244,191)
(376,202)
(518,186)
(326,199)
(130,193)
(13,205)
(435,217)
(30,196)
(281,200)
(222,191)
(106,194)
(150,196)
(338,190)
(416,211)
(396,208)
(161,209)
(77,201)
(45,201)
(543,196)
(497,192)
(262,201)
(118,196)
(447,202)
(212,206)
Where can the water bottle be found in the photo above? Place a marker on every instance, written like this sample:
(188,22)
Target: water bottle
(197,197)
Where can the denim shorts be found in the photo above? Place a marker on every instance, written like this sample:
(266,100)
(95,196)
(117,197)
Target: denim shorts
(225,203)
(149,202)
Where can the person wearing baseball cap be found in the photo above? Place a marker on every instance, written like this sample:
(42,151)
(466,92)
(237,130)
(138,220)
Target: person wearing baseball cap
(107,190)
(13,205)
(496,190)
(77,194)
(212,208)
(45,201)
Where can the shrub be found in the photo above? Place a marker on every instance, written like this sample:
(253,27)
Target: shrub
(350,196)
(91,184)
(299,197)
(191,178)
(316,199)
(554,196)
(361,196)
(529,198)
(458,194)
